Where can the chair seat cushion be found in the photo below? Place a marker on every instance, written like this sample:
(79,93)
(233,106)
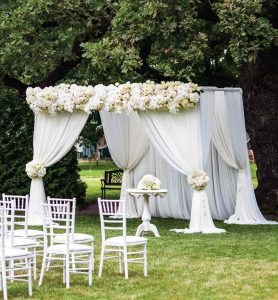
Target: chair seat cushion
(16,253)
(32,233)
(20,243)
(130,240)
(62,248)
(77,238)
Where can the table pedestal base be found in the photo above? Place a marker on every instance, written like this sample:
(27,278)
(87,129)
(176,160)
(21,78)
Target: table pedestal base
(147,226)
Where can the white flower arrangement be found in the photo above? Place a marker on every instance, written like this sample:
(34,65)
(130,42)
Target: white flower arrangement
(198,180)
(149,182)
(170,96)
(34,169)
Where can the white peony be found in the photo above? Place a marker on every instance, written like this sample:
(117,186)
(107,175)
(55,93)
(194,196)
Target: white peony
(35,169)
(198,180)
(149,182)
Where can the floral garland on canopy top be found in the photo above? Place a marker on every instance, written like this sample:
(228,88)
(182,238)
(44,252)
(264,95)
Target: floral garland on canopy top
(169,96)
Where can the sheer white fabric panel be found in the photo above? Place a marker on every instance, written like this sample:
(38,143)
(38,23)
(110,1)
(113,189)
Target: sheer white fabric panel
(127,143)
(54,136)
(229,138)
(222,187)
(207,112)
(177,138)
(177,202)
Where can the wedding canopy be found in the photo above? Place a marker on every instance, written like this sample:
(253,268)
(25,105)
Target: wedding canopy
(209,136)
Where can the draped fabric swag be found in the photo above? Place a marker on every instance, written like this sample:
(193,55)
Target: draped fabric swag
(54,136)
(127,142)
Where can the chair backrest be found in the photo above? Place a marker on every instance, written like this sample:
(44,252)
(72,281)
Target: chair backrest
(111,217)
(61,202)
(113,177)
(21,205)
(8,208)
(57,221)
(3,233)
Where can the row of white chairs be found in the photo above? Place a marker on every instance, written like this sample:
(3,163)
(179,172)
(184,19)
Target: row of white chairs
(60,244)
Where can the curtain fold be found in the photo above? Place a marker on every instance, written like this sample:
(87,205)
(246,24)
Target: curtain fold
(178,140)
(127,143)
(229,138)
(54,136)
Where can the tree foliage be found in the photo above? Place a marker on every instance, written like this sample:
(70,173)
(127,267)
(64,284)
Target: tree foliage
(96,41)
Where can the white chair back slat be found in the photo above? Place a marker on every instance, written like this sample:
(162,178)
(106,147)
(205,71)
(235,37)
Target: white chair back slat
(21,206)
(58,205)
(57,221)
(111,218)
(9,219)
(3,231)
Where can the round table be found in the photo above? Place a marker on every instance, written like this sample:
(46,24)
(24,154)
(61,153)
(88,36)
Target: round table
(146,216)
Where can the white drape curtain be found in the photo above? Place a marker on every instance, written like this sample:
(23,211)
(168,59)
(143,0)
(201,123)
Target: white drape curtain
(229,138)
(177,138)
(177,203)
(127,143)
(54,136)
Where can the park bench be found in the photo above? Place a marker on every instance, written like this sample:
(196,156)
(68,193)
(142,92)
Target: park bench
(112,181)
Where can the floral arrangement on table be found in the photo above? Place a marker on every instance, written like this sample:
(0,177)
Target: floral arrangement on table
(198,180)
(169,96)
(149,182)
(34,169)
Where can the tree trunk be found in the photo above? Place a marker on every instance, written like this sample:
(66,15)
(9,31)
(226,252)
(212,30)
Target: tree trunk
(259,82)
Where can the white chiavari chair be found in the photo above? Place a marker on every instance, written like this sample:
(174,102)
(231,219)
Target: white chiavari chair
(108,209)
(79,238)
(22,236)
(58,221)
(20,269)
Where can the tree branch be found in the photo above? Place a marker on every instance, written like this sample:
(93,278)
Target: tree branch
(145,69)
(15,83)
(63,67)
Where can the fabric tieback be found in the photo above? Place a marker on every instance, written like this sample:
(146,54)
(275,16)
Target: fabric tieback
(35,169)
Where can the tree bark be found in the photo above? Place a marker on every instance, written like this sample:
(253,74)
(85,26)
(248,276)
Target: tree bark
(259,82)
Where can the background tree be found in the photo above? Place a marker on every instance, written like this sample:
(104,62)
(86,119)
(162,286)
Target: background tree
(220,43)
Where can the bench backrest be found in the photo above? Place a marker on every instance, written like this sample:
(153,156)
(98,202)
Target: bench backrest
(113,177)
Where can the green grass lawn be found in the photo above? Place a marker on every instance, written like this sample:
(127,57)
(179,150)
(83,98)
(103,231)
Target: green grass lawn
(242,264)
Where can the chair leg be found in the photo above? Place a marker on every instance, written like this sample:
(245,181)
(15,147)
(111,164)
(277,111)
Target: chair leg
(67,272)
(73,263)
(90,269)
(101,262)
(43,268)
(12,270)
(4,281)
(48,262)
(64,271)
(93,255)
(125,263)
(29,266)
(1,282)
(145,261)
(35,263)
(120,262)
